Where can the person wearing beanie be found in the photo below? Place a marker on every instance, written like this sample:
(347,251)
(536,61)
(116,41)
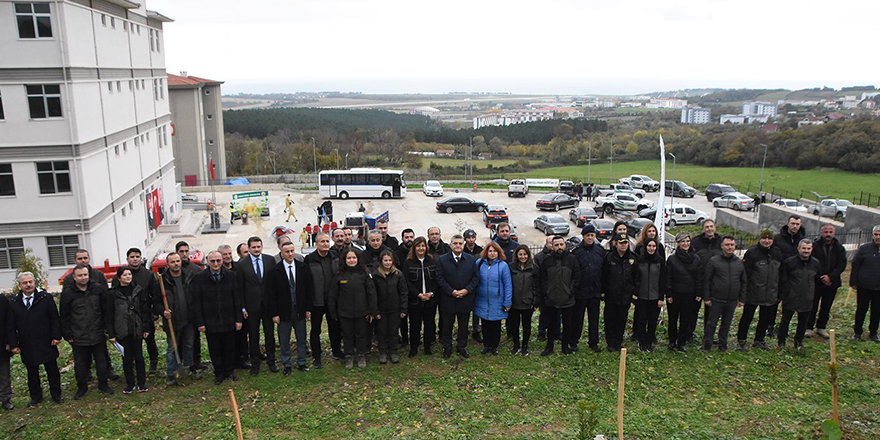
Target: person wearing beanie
(763,263)
(684,282)
(590,256)
(620,283)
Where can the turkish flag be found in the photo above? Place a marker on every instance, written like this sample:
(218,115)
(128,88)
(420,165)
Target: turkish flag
(211,164)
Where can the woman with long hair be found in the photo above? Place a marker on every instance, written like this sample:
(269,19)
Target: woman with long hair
(524,279)
(684,284)
(392,297)
(127,318)
(652,290)
(494,295)
(352,301)
(420,270)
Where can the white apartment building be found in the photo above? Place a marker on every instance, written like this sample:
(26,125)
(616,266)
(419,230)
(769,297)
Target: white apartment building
(512,117)
(668,103)
(85,138)
(759,108)
(696,115)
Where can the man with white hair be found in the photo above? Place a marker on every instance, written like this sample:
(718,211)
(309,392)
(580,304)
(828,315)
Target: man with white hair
(217,312)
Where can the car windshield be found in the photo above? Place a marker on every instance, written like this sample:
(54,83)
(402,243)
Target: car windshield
(790,203)
(844,203)
(432,184)
(555,219)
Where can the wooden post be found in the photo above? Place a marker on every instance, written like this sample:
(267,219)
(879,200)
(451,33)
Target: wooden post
(620,386)
(833,337)
(170,324)
(235,413)
(848,295)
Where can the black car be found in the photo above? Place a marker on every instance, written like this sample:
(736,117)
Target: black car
(567,187)
(677,188)
(555,201)
(582,214)
(635,225)
(494,214)
(604,228)
(716,190)
(453,204)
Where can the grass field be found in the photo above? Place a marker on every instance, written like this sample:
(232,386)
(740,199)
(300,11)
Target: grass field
(478,164)
(733,395)
(789,182)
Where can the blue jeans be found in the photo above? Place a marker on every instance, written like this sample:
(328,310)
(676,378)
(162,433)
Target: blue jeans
(185,340)
(299,328)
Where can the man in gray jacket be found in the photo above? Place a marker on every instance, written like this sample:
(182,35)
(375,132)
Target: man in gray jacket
(725,286)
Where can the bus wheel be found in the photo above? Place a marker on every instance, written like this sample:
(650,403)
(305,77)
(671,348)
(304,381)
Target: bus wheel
(386,195)
(343,195)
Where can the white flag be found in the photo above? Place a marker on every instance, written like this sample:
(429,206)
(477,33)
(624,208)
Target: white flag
(660,217)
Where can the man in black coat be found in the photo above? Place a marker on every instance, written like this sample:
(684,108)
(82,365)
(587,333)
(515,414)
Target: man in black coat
(471,247)
(289,297)
(242,356)
(178,294)
(798,285)
(590,256)
(865,277)
(82,326)
(724,289)
(322,264)
(436,246)
(34,332)
(251,273)
(560,278)
(789,236)
(458,277)
(621,279)
(217,306)
(546,251)
(763,264)
(832,259)
(5,354)
(407,236)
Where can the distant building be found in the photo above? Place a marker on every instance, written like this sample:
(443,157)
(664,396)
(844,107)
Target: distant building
(484,156)
(197,114)
(732,119)
(812,120)
(669,103)
(445,153)
(758,108)
(696,115)
(425,111)
(511,117)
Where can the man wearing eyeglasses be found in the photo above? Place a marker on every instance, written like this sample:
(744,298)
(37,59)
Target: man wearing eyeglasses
(218,314)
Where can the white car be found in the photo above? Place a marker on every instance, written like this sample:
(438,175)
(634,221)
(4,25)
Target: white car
(433,188)
(790,204)
(735,200)
(681,214)
(642,182)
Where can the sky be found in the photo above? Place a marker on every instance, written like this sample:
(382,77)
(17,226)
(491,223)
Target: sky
(537,46)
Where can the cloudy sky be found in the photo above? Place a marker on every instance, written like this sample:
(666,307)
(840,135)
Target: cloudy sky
(544,46)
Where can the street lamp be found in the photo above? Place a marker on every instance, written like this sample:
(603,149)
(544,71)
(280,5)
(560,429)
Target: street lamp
(346,160)
(761,185)
(672,187)
(315,154)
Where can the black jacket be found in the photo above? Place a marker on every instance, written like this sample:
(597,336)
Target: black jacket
(762,269)
(216,304)
(832,262)
(392,295)
(508,246)
(798,280)
(441,249)
(322,269)
(684,279)
(706,248)
(652,275)
(866,267)
(127,315)
(5,317)
(176,300)
(391,242)
(352,295)
(560,279)
(95,276)
(788,242)
(621,277)
(419,272)
(725,279)
(370,256)
(455,276)
(82,317)
(476,251)
(277,301)
(590,259)
(402,253)
(526,283)
(32,330)
(253,289)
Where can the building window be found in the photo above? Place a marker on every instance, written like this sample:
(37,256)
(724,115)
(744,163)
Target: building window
(152,41)
(162,89)
(104,20)
(62,249)
(118,86)
(11,250)
(125,147)
(2,117)
(137,141)
(155,89)
(34,20)
(125,26)
(110,87)
(207,92)
(210,117)
(7,183)
(54,177)
(116,149)
(130,85)
(210,142)
(113,22)
(131,206)
(138,29)
(44,101)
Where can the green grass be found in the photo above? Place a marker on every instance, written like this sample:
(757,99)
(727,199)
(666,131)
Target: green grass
(789,182)
(775,394)
(478,164)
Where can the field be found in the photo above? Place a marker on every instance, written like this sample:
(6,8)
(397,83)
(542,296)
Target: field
(478,164)
(784,181)
(733,395)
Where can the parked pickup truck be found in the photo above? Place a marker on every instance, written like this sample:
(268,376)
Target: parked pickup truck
(517,187)
(621,202)
(835,208)
(641,181)
(620,188)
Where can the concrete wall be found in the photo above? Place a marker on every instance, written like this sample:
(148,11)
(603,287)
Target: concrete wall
(861,219)
(773,217)
(726,217)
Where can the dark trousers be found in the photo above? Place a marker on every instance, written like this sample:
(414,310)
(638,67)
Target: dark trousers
(82,363)
(645,321)
(867,299)
(386,328)
(615,323)
(422,315)
(242,354)
(543,319)
(491,333)
(786,320)
(253,322)
(525,317)
(475,324)
(682,320)
(355,335)
(590,307)
(723,311)
(560,317)
(6,377)
(765,317)
(133,361)
(404,329)
(221,347)
(197,347)
(822,305)
(152,349)
(446,322)
(298,328)
(52,375)
(333,332)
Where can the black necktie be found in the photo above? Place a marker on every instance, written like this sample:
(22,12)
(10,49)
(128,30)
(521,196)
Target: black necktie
(456,260)
(259,272)
(28,299)
(216,277)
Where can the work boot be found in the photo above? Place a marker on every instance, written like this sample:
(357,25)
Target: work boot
(874,337)
(549,349)
(362,361)
(154,364)
(809,334)
(395,358)
(113,374)
(349,362)
(383,358)
(821,332)
(171,380)
(194,373)
(476,336)
(798,345)
(741,345)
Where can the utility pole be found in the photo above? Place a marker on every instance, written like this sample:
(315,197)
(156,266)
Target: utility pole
(315,154)
(589,161)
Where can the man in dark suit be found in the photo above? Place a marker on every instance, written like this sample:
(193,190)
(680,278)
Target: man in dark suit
(457,276)
(5,354)
(217,313)
(82,326)
(289,298)
(251,272)
(34,332)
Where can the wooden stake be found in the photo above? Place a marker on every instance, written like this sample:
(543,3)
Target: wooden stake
(620,386)
(170,324)
(235,413)
(848,295)
(834,396)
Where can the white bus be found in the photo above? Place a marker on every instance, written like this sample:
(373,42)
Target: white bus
(361,183)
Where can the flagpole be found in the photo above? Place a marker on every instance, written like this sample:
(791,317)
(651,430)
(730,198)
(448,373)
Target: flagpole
(213,193)
(661,209)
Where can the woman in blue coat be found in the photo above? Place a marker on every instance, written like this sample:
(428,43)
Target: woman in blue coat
(494,295)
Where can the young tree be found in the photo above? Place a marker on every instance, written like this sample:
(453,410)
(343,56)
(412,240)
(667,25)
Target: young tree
(28,262)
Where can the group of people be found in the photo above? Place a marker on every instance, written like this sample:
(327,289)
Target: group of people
(390,292)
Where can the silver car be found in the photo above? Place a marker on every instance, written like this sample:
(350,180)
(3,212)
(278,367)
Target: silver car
(737,201)
(552,224)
